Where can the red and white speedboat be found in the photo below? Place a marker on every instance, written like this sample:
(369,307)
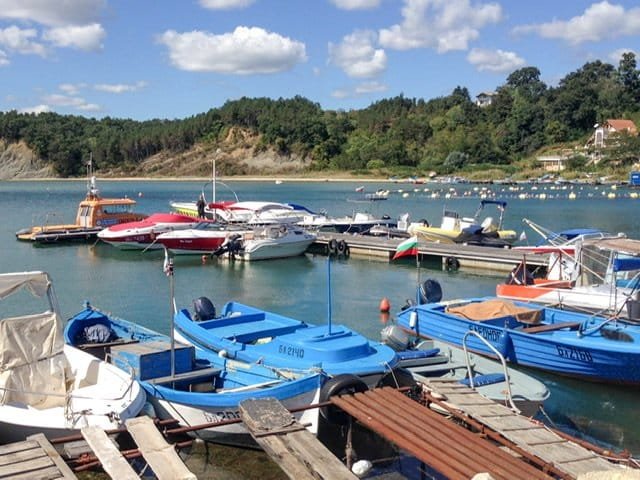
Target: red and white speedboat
(142,235)
(205,238)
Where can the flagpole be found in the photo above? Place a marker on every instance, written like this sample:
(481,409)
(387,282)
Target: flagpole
(329,293)
(168,270)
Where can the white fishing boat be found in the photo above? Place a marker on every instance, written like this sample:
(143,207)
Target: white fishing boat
(49,387)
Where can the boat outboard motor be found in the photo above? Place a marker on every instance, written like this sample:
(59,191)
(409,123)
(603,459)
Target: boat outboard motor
(203,309)
(429,292)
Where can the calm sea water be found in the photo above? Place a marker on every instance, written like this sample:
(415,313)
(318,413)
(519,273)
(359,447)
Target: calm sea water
(132,284)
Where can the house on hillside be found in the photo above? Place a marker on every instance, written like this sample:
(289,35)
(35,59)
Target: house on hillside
(609,129)
(484,99)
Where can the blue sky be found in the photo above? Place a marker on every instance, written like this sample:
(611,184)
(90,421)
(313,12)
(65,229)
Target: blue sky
(144,59)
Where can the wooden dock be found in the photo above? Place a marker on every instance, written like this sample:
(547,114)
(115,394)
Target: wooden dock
(501,443)
(35,458)
(296,450)
(456,255)
(568,458)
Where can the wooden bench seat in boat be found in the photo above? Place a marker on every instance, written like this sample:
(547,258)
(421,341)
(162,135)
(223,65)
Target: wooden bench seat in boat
(552,326)
(180,377)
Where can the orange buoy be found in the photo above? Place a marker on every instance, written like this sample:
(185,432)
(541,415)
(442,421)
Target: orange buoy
(385,306)
(384,317)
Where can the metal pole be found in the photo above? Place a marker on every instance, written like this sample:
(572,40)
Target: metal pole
(329,292)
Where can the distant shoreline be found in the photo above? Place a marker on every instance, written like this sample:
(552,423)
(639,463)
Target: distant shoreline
(205,179)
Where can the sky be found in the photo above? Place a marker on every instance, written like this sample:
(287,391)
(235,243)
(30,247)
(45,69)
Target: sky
(171,59)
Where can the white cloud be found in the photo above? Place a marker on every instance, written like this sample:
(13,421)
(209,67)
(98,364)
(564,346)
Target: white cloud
(52,13)
(119,87)
(357,56)
(36,109)
(4,60)
(360,90)
(71,88)
(64,100)
(245,51)
(83,37)
(89,107)
(598,22)
(441,24)
(225,4)
(356,4)
(21,41)
(495,61)
(616,55)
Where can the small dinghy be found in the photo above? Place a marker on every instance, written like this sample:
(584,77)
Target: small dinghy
(49,387)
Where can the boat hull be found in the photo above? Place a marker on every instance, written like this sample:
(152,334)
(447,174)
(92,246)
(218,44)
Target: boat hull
(266,250)
(105,405)
(583,348)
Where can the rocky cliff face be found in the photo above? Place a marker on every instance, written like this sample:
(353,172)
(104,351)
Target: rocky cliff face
(237,154)
(17,161)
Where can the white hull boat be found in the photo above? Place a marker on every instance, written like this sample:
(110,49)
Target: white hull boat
(47,386)
(272,241)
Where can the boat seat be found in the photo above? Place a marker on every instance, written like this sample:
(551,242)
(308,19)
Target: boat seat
(551,327)
(482,380)
(180,377)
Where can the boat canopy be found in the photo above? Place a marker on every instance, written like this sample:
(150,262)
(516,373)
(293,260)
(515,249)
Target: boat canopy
(626,264)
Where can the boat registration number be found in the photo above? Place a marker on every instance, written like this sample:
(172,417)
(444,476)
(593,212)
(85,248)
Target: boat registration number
(217,417)
(490,334)
(291,351)
(573,353)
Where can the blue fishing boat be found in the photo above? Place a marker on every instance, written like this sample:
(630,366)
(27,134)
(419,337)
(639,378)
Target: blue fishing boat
(249,334)
(193,386)
(567,343)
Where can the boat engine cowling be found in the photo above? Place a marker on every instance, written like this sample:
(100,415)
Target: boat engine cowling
(395,337)
(203,309)
(429,292)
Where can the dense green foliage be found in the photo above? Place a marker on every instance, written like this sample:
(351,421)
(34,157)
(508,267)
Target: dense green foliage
(443,134)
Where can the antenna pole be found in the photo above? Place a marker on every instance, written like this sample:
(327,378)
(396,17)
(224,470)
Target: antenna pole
(329,292)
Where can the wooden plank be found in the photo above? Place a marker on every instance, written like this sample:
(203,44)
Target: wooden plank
(534,436)
(17,446)
(21,456)
(34,464)
(510,422)
(52,453)
(551,327)
(300,455)
(161,456)
(191,375)
(49,473)
(492,410)
(113,463)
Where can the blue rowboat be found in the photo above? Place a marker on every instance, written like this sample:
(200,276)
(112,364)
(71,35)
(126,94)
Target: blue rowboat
(201,387)
(250,334)
(567,343)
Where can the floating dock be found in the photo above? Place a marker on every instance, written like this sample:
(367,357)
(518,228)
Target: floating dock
(450,255)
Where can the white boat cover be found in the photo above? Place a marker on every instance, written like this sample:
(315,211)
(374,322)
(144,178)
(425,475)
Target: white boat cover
(31,349)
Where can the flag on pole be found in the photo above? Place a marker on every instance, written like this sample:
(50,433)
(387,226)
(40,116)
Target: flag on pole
(408,247)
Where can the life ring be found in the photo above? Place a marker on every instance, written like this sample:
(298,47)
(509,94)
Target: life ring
(339,385)
(342,247)
(452,263)
(333,246)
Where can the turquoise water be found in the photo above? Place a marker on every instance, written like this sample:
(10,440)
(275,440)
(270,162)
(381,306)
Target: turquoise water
(133,285)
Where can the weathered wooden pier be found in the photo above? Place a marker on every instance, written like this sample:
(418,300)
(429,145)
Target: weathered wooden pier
(451,256)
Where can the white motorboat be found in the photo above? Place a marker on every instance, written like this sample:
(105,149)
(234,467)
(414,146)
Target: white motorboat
(270,241)
(359,222)
(142,235)
(49,387)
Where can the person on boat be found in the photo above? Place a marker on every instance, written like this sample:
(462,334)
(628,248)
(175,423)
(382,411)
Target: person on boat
(200,204)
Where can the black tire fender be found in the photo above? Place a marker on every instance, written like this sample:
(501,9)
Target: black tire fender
(452,263)
(342,247)
(339,385)
(333,246)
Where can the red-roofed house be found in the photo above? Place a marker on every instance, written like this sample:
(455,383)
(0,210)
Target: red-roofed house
(611,127)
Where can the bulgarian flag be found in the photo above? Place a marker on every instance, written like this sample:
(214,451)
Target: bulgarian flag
(408,247)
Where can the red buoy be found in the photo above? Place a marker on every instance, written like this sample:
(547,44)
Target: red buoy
(385,306)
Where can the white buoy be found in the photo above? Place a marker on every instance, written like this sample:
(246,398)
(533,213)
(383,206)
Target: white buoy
(361,468)
(413,319)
